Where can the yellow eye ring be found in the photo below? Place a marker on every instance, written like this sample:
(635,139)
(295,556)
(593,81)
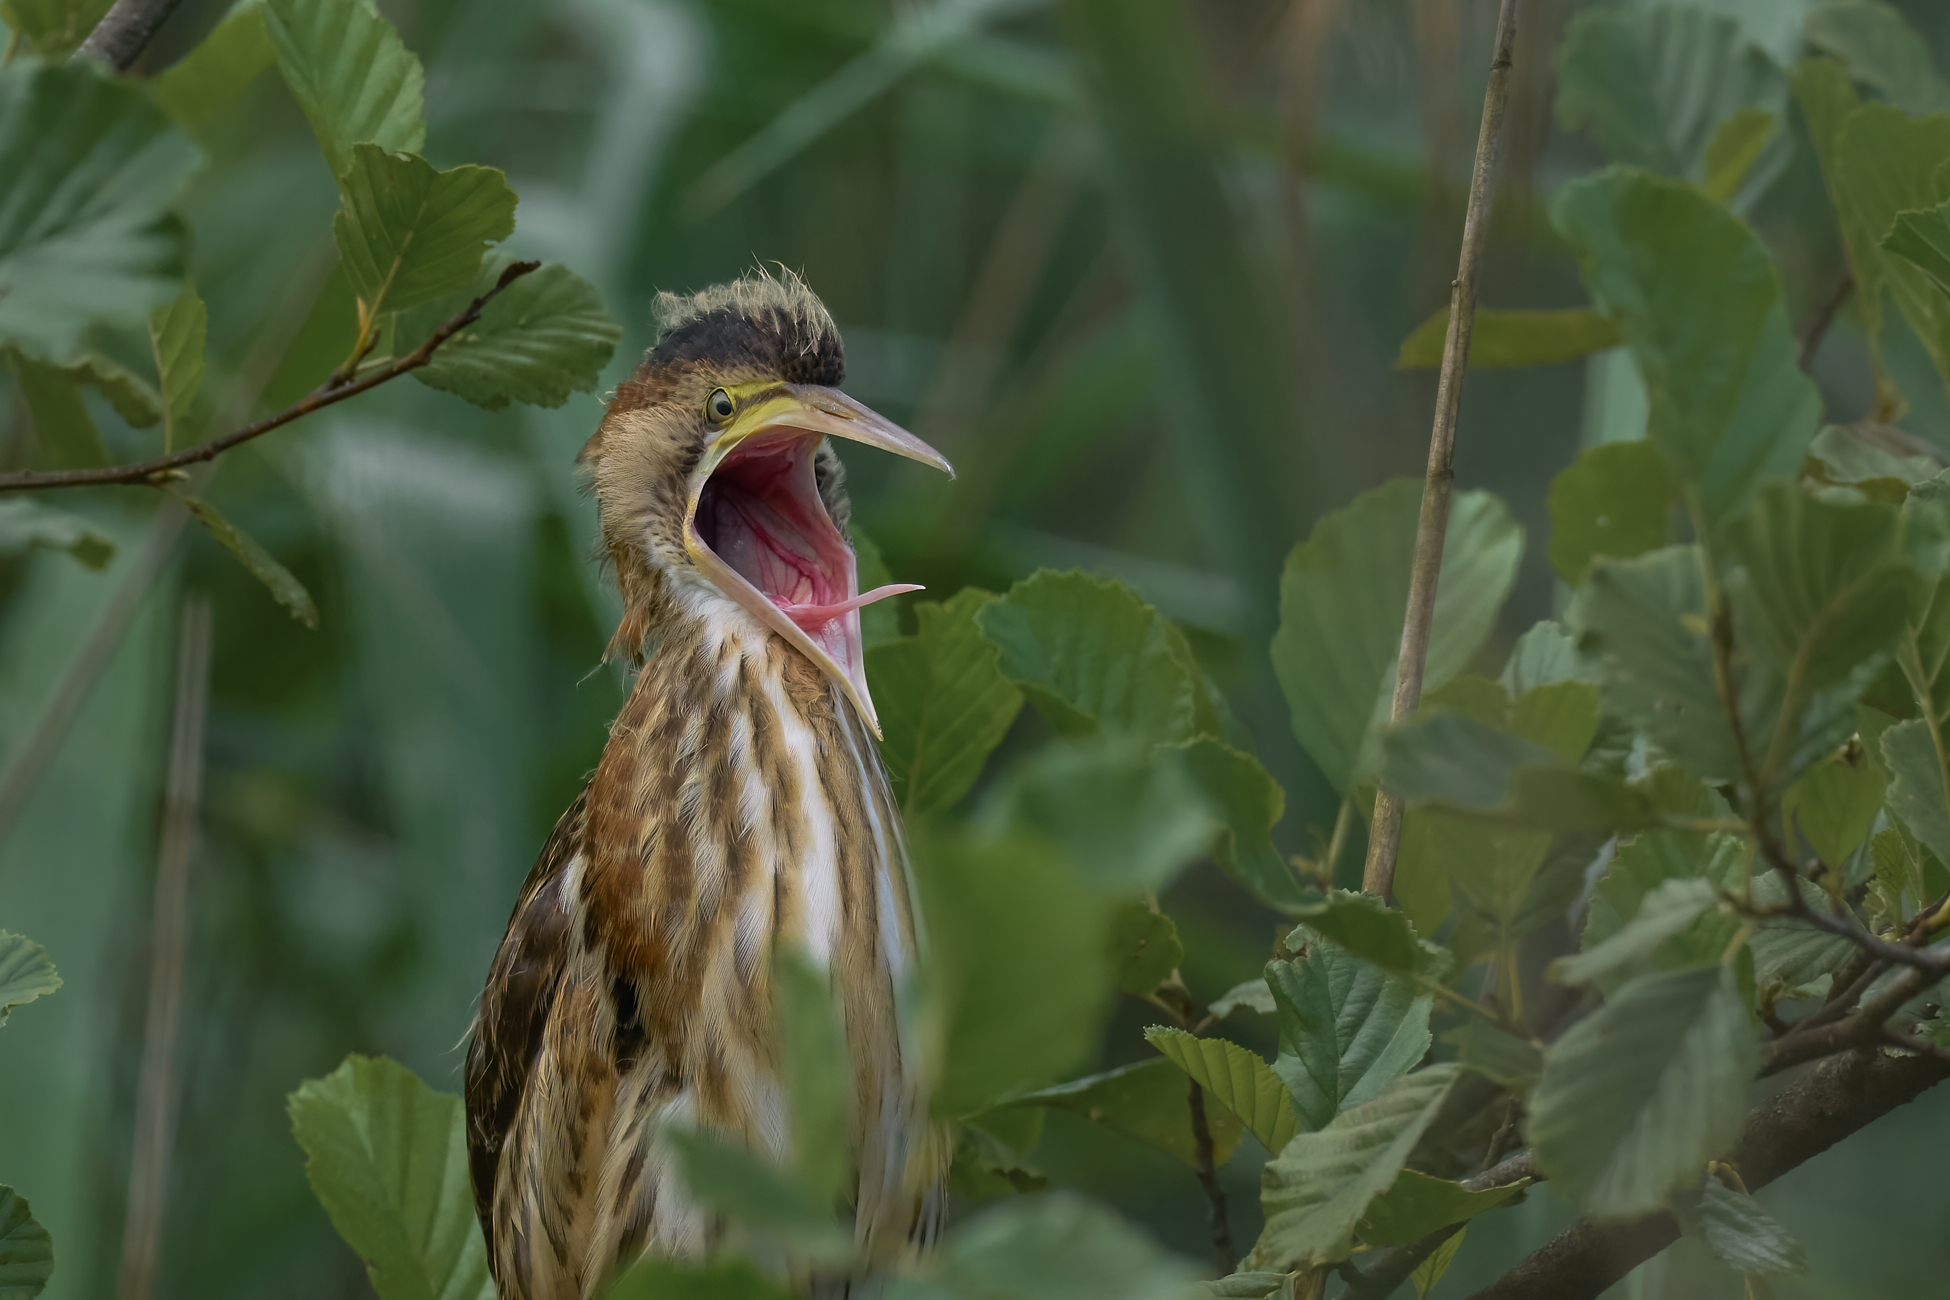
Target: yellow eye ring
(718,407)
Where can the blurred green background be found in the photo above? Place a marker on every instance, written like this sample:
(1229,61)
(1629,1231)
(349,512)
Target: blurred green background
(1139,267)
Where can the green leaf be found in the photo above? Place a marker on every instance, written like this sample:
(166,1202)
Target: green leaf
(542,338)
(944,704)
(1543,656)
(1418,1204)
(1916,790)
(1861,455)
(1430,1270)
(26,973)
(1614,500)
(1923,239)
(1509,339)
(198,86)
(86,235)
(1734,1227)
(736,1182)
(176,336)
(1898,870)
(1458,760)
(1147,1101)
(25,522)
(277,579)
(985,1166)
(1497,1055)
(730,1278)
(134,398)
(387,1158)
(355,81)
(1342,599)
(1886,164)
(26,1251)
(817,1073)
(880,622)
(1371,930)
(1244,1286)
(1701,308)
(1654,85)
(65,436)
(1880,49)
(1636,1098)
(1320,1187)
(1254,995)
(1347,1030)
(1736,145)
(409,234)
(1835,804)
(1144,945)
(1055,1247)
(1236,1078)
(52,29)
(1823,93)
(1793,960)
(1092,656)
(1248,803)
(1667,910)
(1648,861)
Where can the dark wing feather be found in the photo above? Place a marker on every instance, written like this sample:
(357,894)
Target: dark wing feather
(515,1006)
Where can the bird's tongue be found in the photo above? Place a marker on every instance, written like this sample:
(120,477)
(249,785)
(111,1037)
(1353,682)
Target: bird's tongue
(815,617)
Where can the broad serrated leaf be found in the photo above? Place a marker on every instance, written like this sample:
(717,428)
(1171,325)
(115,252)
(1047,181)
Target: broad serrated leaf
(355,81)
(1253,995)
(1144,946)
(669,1279)
(1092,656)
(176,337)
(26,1251)
(1417,1204)
(542,338)
(1649,860)
(1347,1029)
(277,579)
(1614,500)
(1055,1247)
(1342,598)
(1702,310)
(1148,1101)
(1826,99)
(26,973)
(1318,1189)
(1510,339)
(1238,1079)
(86,235)
(944,704)
(409,234)
(1249,803)
(1794,960)
(198,86)
(1635,1099)
(1916,791)
(735,1181)
(387,1158)
(25,522)
(1886,163)
(1497,1054)
(1923,239)
(1733,1226)
(1371,930)
(1880,49)
(1543,656)
(1834,805)
(1666,911)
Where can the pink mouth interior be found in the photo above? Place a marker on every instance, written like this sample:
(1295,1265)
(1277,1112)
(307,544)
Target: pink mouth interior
(760,513)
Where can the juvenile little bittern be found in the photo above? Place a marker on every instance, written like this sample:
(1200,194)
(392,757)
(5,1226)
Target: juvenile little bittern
(740,802)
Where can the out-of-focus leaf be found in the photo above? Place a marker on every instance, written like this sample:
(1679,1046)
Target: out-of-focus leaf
(1342,599)
(880,622)
(1736,145)
(52,29)
(735,1181)
(277,579)
(944,704)
(1794,960)
(1497,1054)
(1148,1101)
(1614,500)
(1055,1247)
(1735,1228)
(1092,656)
(134,398)
(198,86)
(731,1278)
(92,168)
(1835,804)
(1923,238)
(1457,760)
(1430,1270)
(26,973)
(64,433)
(1144,944)
(1248,803)
(1252,995)
(1543,656)
(817,1073)
(1880,49)
(1236,1078)
(409,234)
(176,336)
(1649,860)
(542,338)
(1825,98)
(985,1166)
(1242,1286)
(356,82)
(26,1251)
(1371,930)
(1418,1204)
(1886,164)
(1636,1098)
(1347,1029)
(1701,308)
(1861,455)
(1916,790)
(1898,870)
(25,522)
(1501,340)
(387,1157)
(1318,1189)
(1667,910)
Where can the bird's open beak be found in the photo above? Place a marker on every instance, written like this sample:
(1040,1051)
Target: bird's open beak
(756,528)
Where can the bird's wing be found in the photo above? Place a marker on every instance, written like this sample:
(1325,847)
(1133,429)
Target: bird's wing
(521,988)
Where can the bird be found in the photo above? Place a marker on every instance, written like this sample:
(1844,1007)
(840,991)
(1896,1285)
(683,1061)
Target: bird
(740,803)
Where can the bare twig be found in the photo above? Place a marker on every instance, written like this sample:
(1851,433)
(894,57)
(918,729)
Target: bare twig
(124,32)
(1835,1100)
(1208,1177)
(1378,877)
(169,938)
(1806,1041)
(333,390)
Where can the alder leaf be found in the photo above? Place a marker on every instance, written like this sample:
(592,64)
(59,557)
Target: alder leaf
(197,87)
(26,973)
(1347,1029)
(1238,1079)
(408,234)
(176,337)
(26,1251)
(1734,1227)
(277,579)
(25,522)
(1614,500)
(542,338)
(352,76)
(1509,339)
(1417,1204)
(1669,909)
(1149,1101)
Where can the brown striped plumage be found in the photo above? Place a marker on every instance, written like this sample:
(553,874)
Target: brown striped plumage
(739,802)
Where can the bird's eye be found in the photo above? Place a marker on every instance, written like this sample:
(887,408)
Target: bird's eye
(718,406)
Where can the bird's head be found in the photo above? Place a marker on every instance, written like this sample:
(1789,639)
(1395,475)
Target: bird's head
(715,479)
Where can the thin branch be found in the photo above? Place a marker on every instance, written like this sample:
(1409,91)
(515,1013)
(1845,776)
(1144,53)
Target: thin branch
(1378,876)
(169,939)
(1863,1029)
(333,390)
(1821,318)
(124,32)
(1841,1096)
(1208,1177)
